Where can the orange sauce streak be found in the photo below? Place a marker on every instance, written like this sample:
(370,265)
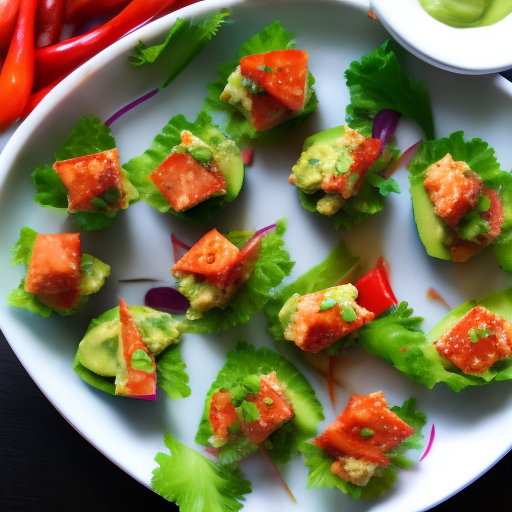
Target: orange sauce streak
(434,295)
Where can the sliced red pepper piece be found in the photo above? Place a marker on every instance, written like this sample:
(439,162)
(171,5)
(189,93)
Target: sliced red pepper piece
(374,291)
(17,76)
(49,22)
(8,17)
(79,10)
(57,61)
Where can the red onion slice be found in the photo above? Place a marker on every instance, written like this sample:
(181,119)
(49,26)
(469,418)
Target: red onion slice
(264,230)
(179,248)
(384,124)
(151,398)
(131,105)
(248,156)
(430,441)
(166,299)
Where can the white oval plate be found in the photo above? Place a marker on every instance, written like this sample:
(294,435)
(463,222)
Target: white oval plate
(470,437)
(472,51)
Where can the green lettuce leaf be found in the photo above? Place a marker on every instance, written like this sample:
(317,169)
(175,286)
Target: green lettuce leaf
(194,483)
(481,159)
(338,265)
(244,360)
(182,45)
(160,333)
(93,275)
(89,136)
(319,461)
(379,82)
(274,37)
(272,267)
(396,337)
(139,168)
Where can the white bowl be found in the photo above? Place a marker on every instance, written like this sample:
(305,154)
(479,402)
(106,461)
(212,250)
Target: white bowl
(471,51)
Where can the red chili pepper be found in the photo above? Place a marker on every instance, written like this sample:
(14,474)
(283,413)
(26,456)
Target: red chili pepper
(57,61)
(17,74)
(49,22)
(35,99)
(79,10)
(375,293)
(8,17)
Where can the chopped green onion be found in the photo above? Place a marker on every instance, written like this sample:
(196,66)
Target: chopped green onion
(111,195)
(252,383)
(343,163)
(265,68)
(327,304)
(200,154)
(313,161)
(142,361)
(247,412)
(476,334)
(268,401)
(484,203)
(238,394)
(348,314)
(367,432)
(100,203)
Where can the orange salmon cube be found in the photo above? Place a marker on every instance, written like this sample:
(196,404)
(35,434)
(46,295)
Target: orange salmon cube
(222,413)
(453,189)
(476,341)
(185,183)
(212,254)
(362,159)
(54,273)
(313,329)
(366,429)
(274,407)
(93,178)
(131,381)
(282,73)
(267,111)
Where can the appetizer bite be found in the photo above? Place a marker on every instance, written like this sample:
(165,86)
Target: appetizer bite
(268,85)
(317,313)
(59,277)
(258,398)
(127,348)
(227,285)
(340,173)
(359,452)
(471,346)
(90,184)
(190,170)
(462,200)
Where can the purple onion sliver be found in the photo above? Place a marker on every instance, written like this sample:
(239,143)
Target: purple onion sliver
(131,105)
(264,230)
(167,299)
(384,124)
(151,398)
(430,441)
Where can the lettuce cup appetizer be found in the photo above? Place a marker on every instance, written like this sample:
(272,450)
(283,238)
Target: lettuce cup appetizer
(361,450)
(471,346)
(258,398)
(190,170)
(128,348)
(317,313)
(340,173)
(462,201)
(87,178)
(268,85)
(59,277)
(229,278)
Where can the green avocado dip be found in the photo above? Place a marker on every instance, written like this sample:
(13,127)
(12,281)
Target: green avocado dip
(468,13)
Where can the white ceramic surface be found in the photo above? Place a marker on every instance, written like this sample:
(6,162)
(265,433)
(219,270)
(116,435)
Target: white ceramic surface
(470,435)
(472,51)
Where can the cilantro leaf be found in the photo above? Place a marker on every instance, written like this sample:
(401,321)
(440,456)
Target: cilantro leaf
(379,82)
(194,483)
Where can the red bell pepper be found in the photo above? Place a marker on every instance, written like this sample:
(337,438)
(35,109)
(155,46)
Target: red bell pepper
(8,16)
(79,10)
(17,74)
(57,61)
(49,22)
(375,293)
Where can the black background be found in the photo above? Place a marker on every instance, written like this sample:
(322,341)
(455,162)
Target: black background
(45,465)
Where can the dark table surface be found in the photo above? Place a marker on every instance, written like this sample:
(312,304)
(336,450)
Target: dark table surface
(45,465)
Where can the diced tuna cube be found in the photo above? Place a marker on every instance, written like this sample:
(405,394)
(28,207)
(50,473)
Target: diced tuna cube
(476,341)
(453,189)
